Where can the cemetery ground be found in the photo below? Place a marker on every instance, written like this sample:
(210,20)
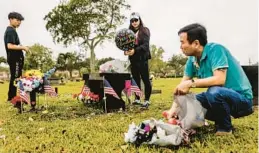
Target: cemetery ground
(70,126)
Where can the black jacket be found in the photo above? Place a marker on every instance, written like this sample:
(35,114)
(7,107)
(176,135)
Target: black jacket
(142,51)
(11,36)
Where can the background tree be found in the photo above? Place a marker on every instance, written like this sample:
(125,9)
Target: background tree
(177,62)
(3,69)
(103,60)
(67,61)
(156,63)
(39,57)
(88,22)
(2,60)
(84,66)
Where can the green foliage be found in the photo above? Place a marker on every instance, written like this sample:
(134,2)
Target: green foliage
(69,126)
(4,69)
(156,63)
(103,60)
(177,62)
(39,57)
(72,61)
(87,22)
(66,61)
(2,60)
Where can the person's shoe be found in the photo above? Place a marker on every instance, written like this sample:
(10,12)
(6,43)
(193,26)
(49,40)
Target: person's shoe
(33,109)
(136,102)
(146,104)
(223,132)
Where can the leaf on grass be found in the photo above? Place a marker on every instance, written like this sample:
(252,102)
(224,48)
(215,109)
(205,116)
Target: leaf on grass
(31,119)
(124,147)
(45,112)
(2,137)
(41,129)
(1,122)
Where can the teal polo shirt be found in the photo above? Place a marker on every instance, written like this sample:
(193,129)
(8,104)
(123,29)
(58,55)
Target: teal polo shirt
(216,56)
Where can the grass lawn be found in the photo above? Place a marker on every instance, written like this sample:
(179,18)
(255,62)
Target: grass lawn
(69,126)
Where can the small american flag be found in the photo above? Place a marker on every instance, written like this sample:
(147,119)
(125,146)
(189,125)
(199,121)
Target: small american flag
(126,90)
(85,90)
(49,90)
(135,89)
(109,90)
(24,96)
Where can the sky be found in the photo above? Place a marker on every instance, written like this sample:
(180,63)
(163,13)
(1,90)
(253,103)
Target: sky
(232,23)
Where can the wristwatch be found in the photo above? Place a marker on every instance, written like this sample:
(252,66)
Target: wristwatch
(193,84)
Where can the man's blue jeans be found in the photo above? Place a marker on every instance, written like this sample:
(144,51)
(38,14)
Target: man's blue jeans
(221,103)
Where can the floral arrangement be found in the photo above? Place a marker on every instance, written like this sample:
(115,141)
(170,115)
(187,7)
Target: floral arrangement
(29,82)
(87,97)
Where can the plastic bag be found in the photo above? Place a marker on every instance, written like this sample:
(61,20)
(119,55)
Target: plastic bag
(154,132)
(115,66)
(189,111)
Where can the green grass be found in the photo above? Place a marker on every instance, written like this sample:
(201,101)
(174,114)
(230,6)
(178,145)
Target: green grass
(69,126)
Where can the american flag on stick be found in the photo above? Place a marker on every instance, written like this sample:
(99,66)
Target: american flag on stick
(126,90)
(24,96)
(85,90)
(135,89)
(49,90)
(109,90)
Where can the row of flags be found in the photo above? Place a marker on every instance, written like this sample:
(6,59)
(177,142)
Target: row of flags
(131,87)
(47,89)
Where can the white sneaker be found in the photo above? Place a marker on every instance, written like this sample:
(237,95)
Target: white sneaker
(136,102)
(146,104)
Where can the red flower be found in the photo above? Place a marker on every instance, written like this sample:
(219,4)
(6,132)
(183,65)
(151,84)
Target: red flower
(17,99)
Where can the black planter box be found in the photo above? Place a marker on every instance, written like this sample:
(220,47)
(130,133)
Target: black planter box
(116,80)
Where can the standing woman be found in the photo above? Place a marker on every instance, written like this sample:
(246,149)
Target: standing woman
(139,57)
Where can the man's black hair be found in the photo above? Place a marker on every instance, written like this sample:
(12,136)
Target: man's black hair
(15,15)
(194,32)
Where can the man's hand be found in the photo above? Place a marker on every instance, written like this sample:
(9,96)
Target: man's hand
(26,48)
(183,88)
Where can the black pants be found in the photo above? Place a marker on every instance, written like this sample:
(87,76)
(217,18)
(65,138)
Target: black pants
(16,67)
(140,70)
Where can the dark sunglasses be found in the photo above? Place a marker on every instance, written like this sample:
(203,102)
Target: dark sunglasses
(133,20)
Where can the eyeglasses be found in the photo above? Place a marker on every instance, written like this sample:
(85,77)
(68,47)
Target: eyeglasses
(133,20)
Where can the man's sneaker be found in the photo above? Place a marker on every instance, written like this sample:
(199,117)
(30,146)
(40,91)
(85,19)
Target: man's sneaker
(223,132)
(146,104)
(136,102)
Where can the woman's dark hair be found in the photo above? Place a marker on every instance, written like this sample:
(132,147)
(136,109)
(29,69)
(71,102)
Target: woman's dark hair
(142,28)
(194,32)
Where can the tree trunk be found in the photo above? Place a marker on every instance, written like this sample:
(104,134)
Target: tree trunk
(92,60)
(70,73)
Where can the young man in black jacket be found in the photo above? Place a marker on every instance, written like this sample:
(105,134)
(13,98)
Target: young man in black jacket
(14,51)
